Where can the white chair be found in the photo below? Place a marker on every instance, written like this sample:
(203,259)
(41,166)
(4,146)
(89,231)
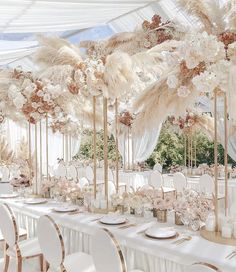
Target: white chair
(109,257)
(14,248)
(158,167)
(72,173)
(206,184)
(156,180)
(179,181)
(5,173)
(53,248)
(83,182)
(203,267)
(89,173)
(60,172)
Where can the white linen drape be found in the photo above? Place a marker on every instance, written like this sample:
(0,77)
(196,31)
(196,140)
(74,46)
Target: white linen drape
(61,15)
(145,144)
(141,146)
(15,132)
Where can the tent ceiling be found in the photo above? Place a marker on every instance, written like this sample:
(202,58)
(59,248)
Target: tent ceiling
(19,16)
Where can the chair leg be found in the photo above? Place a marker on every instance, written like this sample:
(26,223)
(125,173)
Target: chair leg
(6,263)
(45,266)
(19,264)
(41,262)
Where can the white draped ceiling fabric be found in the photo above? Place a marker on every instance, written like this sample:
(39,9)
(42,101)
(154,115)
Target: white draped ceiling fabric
(21,16)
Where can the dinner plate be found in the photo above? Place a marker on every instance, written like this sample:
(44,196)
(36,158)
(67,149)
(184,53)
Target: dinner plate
(161,233)
(113,220)
(35,201)
(8,195)
(66,209)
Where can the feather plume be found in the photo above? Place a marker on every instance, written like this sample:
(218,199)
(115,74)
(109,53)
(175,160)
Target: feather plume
(6,154)
(118,74)
(156,103)
(198,8)
(55,51)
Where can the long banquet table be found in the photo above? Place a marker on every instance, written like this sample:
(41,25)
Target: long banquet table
(140,252)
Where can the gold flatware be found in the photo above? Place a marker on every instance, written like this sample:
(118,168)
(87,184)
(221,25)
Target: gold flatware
(127,226)
(182,240)
(231,255)
(142,231)
(95,219)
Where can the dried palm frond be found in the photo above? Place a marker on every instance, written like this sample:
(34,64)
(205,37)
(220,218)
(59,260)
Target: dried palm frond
(157,102)
(6,154)
(118,74)
(200,10)
(22,150)
(56,51)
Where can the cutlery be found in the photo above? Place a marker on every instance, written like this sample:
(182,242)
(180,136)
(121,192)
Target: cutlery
(182,240)
(95,219)
(231,255)
(127,226)
(142,231)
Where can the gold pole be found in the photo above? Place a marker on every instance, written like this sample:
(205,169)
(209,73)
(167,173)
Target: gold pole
(63,146)
(191,151)
(94,149)
(70,142)
(36,158)
(128,150)
(47,146)
(117,150)
(195,141)
(30,158)
(105,149)
(216,160)
(40,149)
(185,150)
(124,159)
(226,153)
(188,151)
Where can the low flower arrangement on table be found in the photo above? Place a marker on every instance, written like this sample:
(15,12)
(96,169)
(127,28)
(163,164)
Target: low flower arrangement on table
(191,208)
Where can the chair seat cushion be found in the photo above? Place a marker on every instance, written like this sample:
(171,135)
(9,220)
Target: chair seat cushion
(28,248)
(80,261)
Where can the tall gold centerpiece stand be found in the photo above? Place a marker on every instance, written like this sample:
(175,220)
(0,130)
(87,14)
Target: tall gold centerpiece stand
(215,236)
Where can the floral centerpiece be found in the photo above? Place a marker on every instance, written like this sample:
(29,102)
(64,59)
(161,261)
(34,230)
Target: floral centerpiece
(191,205)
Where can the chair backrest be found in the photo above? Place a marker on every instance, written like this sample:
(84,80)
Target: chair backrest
(109,257)
(51,241)
(206,184)
(156,179)
(158,167)
(5,173)
(89,173)
(83,182)
(233,210)
(8,225)
(72,172)
(180,181)
(203,267)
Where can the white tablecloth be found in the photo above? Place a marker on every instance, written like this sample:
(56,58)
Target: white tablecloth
(140,252)
(134,179)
